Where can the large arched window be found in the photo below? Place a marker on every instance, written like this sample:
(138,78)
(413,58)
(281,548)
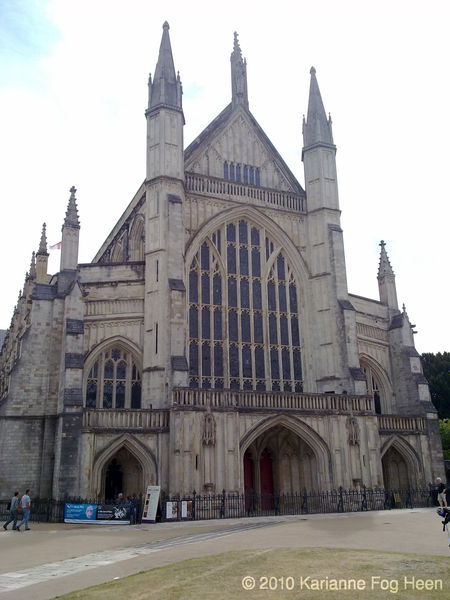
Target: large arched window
(243,313)
(114,381)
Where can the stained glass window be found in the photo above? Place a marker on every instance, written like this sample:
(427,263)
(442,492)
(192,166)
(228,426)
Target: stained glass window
(248,336)
(119,383)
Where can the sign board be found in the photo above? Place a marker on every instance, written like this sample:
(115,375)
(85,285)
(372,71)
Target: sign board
(151,500)
(113,512)
(172,510)
(80,513)
(186,509)
(96,514)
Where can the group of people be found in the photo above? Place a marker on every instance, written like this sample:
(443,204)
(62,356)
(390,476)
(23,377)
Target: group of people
(19,509)
(131,503)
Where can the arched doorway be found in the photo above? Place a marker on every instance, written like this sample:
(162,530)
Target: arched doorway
(123,473)
(395,470)
(279,462)
(113,480)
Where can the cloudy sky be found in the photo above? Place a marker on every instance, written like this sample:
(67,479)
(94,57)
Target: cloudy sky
(73,90)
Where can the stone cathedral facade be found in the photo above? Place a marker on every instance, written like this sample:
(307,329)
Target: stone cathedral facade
(212,342)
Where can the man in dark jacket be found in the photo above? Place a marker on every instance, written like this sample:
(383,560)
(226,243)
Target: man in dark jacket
(13,509)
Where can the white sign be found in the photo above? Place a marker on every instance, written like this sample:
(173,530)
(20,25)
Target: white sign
(151,500)
(171,510)
(186,509)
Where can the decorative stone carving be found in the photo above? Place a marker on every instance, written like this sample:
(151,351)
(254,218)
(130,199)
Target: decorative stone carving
(209,430)
(353,431)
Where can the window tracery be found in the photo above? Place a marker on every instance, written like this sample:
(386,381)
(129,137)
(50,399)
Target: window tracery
(114,381)
(243,313)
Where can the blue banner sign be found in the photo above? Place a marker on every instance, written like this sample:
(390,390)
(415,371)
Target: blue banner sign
(80,513)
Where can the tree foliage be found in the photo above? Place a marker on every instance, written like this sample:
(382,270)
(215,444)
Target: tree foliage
(436,368)
(444,426)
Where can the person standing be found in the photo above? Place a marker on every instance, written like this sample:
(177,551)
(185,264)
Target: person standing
(13,512)
(441,489)
(26,506)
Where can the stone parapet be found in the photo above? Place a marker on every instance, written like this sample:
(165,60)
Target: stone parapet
(399,423)
(233,190)
(271,400)
(135,420)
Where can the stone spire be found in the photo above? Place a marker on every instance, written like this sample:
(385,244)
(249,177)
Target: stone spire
(386,280)
(71,219)
(32,272)
(70,235)
(42,251)
(165,89)
(239,93)
(384,268)
(317,127)
(42,258)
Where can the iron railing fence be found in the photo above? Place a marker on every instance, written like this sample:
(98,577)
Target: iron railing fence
(234,505)
(45,510)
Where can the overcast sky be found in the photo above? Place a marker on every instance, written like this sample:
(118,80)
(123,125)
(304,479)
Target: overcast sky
(73,90)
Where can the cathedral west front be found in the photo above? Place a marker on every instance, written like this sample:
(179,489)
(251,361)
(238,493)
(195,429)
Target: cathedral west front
(212,343)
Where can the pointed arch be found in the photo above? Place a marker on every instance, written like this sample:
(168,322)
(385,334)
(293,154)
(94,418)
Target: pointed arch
(317,444)
(112,375)
(409,455)
(373,369)
(118,250)
(137,238)
(143,455)
(118,340)
(250,213)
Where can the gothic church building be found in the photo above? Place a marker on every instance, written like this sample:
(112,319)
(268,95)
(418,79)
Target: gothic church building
(212,342)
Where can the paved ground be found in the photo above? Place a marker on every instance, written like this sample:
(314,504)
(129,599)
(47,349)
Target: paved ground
(53,559)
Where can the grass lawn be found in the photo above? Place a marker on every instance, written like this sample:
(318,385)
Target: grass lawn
(306,573)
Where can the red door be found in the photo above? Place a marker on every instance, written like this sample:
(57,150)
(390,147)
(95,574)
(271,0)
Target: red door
(249,485)
(266,476)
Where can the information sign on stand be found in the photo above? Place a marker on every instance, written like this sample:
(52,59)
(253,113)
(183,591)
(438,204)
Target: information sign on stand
(151,500)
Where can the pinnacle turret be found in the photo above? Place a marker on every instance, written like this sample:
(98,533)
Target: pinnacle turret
(165,88)
(42,258)
(316,127)
(71,219)
(386,280)
(32,273)
(70,239)
(239,93)
(384,267)
(43,243)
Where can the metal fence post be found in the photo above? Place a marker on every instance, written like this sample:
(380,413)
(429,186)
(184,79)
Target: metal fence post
(340,506)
